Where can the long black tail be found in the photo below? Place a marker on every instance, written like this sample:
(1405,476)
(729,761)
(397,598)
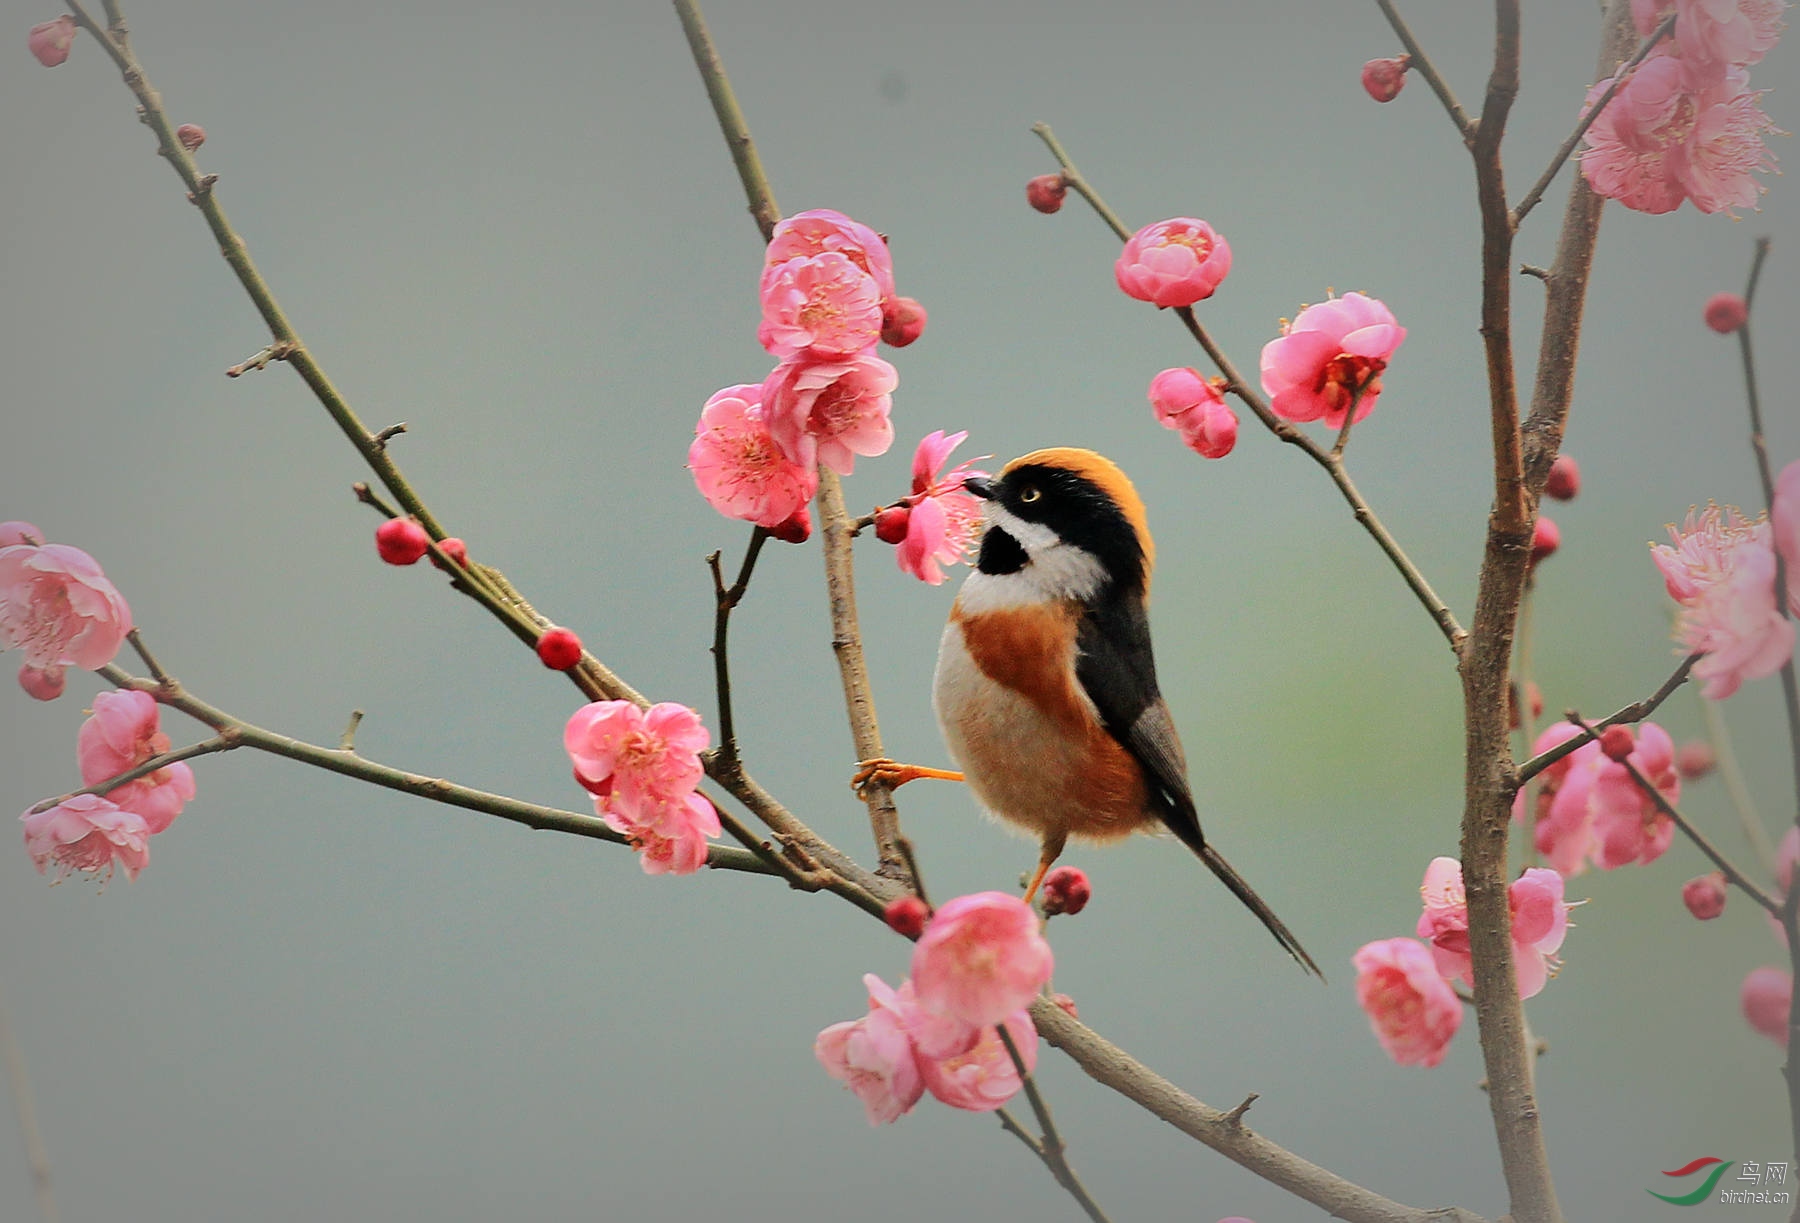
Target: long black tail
(1244,892)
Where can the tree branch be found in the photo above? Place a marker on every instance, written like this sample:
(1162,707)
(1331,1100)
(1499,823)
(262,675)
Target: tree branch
(1465,127)
(1051,1148)
(1637,711)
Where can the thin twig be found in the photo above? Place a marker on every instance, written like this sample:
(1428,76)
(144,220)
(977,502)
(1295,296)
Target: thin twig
(1465,127)
(763,208)
(725,600)
(1750,886)
(221,742)
(18,1079)
(143,651)
(347,740)
(1587,120)
(1241,387)
(1637,711)
(1052,1148)
(1790,690)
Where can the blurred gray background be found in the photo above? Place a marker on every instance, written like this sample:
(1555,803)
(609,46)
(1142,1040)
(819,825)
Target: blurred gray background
(519,232)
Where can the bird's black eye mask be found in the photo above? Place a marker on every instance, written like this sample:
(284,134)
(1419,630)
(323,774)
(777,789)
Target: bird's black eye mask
(1077,510)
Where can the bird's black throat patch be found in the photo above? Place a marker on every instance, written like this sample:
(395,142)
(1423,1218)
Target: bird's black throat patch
(1000,553)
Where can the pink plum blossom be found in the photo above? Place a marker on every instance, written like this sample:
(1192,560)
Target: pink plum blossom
(1713,36)
(1538,915)
(635,759)
(831,411)
(1784,519)
(670,834)
(820,230)
(981,959)
(1721,570)
(943,520)
(58,607)
(1412,1009)
(87,833)
(1628,825)
(49,41)
(983,1078)
(873,1056)
(1766,998)
(820,306)
(1173,263)
(1563,822)
(124,731)
(1313,371)
(738,467)
(16,532)
(1195,407)
(1664,138)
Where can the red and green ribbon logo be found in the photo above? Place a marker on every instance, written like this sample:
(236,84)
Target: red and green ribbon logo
(1706,1187)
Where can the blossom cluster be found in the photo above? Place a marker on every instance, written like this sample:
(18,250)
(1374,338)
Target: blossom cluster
(642,767)
(1589,808)
(980,962)
(57,607)
(1720,569)
(828,296)
(1405,986)
(93,833)
(1685,124)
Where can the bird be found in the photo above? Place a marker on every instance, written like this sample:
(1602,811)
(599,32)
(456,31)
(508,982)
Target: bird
(1045,688)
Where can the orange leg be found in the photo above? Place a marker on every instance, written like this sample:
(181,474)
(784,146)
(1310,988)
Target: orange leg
(891,773)
(1053,847)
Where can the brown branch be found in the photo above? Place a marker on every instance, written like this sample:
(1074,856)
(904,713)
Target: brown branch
(1228,1135)
(1465,127)
(1637,711)
(1051,1148)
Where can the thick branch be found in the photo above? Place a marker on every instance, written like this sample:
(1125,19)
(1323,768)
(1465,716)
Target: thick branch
(1111,1065)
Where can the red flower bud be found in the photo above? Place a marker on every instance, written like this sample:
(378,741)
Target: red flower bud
(907,915)
(1617,742)
(401,541)
(1066,1004)
(1694,760)
(796,530)
(1726,312)
(42,685)
(1534,698)
(1383,79)
(1704,895)
(191,135)
(1565,478)
(559,649)
(455,549)
(1045,192)
(890,524)
(1545,539)
(902,322)
(1066,890)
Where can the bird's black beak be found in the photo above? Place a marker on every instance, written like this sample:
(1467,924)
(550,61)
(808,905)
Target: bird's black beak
(979,486)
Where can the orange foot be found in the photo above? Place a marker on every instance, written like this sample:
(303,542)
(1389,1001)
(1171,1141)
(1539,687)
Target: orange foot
(891,773)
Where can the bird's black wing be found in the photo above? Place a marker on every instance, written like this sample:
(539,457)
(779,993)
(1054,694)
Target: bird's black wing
(1117,670)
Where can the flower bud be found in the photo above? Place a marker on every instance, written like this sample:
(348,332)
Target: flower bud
(191,136)
(1704,895)
(559,649)
(1695,759)
(1545,539)
(1383,79)
(1617,742)
(1565,478)
(455,549)
(1765,998)
(1066,1004)
(902,322)
(797,529)
(17,532)
(50,41)
(907,915)
(1045,192)
(1534,698)
(890,524)
(401,541)
(1726,312)
(1066,890)
(45,684)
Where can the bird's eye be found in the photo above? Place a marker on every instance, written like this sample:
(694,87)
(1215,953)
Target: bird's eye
(1029,493)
